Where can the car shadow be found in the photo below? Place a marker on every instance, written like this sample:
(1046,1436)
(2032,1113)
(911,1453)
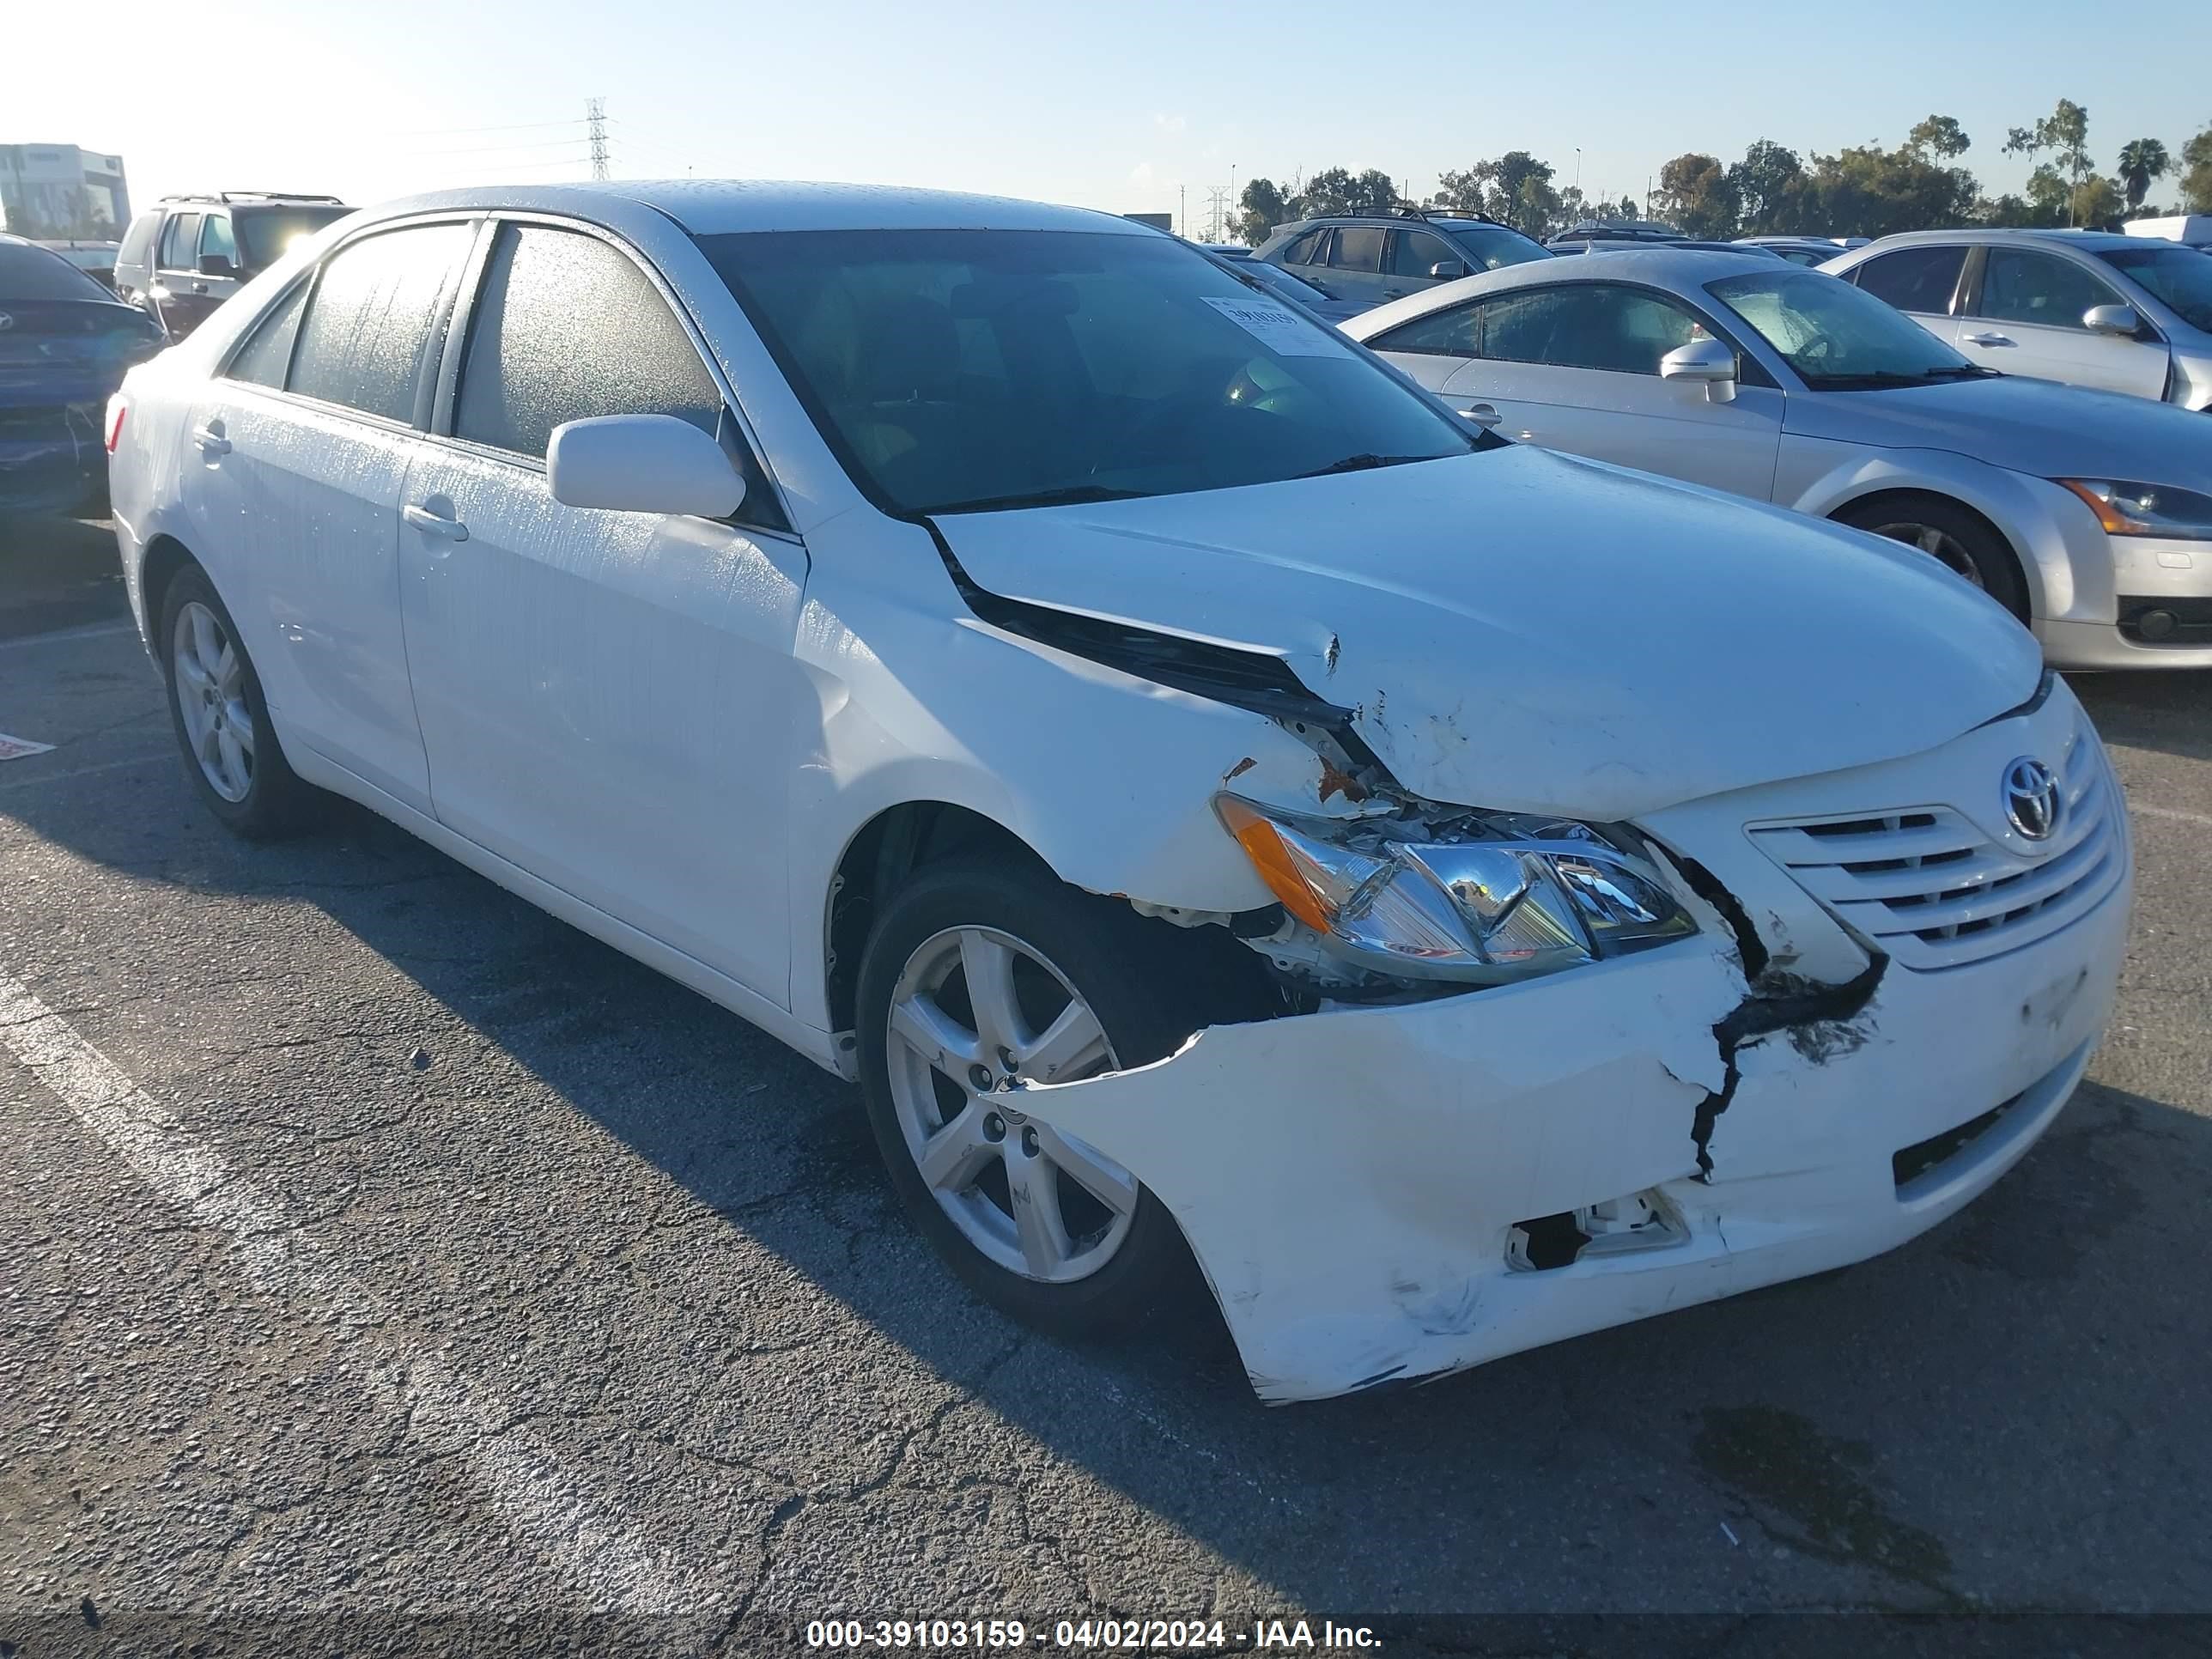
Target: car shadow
(57,573)
(1548,1475)
(2163,711)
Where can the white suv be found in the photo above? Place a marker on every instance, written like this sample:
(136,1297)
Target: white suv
(1212,801)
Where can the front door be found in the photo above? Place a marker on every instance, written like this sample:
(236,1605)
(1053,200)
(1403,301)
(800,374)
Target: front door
(1576,367)
(2027,319)
(608,699)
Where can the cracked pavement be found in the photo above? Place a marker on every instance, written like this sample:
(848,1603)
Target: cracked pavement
(512,1298)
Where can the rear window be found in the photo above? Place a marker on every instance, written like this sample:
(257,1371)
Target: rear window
(264,233)
(1914,278)
(36,273)
(139,239)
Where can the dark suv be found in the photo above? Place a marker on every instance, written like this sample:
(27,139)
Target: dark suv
(1369,258)
(183,258)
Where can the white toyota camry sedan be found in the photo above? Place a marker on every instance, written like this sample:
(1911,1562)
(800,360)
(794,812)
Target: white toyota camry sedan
(1221,810)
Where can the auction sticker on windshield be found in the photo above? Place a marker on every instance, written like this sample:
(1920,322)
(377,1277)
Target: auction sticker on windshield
(1282,333)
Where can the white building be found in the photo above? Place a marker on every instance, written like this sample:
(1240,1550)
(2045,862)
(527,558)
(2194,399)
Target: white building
(58,190)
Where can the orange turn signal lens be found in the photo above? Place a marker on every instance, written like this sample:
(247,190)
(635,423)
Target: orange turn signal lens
(2105,502)
(1264,846)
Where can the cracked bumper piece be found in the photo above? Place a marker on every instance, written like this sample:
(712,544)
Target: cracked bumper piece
(1354,1182)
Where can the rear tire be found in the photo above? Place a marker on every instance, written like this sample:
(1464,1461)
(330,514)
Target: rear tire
(1108,1263)
(1956,539)
(222,720)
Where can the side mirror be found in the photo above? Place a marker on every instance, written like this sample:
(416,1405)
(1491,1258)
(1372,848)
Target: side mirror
(215,264)
(642,464)
(1710,361)
(1448,271)
(2120,321)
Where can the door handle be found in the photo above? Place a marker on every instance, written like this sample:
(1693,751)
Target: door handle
(210,440)
(432,523)
(1483,415)
(1987,339)
(199,288)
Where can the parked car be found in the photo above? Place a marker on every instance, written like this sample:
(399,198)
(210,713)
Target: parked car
(1798,250)
(1239,251)
(1200,790)
(184,257)
(2189,230)
(95,260)
(2087,515)
(1569,249)
(2122,313)
(1366,261)
(1311,295)
(65,343)
(1638,232)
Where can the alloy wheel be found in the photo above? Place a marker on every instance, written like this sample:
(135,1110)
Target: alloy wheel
(1937,544)
(208,682)
(977,1014)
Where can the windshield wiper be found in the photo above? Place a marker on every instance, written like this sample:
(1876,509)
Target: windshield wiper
(1964,371)
(1361,464)
(1874,379)
(1067,496)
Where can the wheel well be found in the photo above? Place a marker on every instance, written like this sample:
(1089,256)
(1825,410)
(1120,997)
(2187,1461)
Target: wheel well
(2029,587)
(890,847)
(165,556)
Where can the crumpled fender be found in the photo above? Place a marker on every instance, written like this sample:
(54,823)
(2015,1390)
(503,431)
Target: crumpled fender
(1348,1179)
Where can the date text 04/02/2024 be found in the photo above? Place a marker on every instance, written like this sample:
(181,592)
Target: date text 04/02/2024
(1091,1635)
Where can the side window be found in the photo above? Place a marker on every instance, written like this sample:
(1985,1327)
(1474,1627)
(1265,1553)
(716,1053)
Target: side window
(1586,325)
(1416,251)
(1358,247)
(216,238)
(138,240)
(1914,278)
(1302,250)
(267,352)
(568,328)
(372,316)
(178,241)
(1454,333)
(2021,285)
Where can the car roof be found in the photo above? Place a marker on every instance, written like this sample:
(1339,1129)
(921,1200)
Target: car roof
(2090,240)
(712,206)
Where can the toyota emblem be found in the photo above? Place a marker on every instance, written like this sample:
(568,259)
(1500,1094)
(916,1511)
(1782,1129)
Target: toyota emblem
(2031,798)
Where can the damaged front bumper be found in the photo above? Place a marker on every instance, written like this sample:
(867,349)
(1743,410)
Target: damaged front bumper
(1393,1192)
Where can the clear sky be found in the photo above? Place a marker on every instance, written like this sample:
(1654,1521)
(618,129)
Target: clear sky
(1111,104)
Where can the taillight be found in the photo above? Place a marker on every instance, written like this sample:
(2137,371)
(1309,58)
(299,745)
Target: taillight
(117,408)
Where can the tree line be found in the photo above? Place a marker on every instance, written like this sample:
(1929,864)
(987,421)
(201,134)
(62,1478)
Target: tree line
(1861,191)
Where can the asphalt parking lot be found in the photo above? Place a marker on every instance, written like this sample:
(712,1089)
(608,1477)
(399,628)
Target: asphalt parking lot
(379,1250)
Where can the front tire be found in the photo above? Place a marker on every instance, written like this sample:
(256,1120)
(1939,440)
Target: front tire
(978,977)
(221,719)
(1957,539)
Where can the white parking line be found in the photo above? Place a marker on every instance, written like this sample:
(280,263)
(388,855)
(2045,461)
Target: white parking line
(2174,813)
(546,1504)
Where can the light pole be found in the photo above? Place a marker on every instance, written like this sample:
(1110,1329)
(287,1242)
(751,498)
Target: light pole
(1579,169)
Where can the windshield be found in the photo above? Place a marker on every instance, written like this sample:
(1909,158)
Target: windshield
(264,233)
(1489,248)
(33,273)
(2182,276)
(960,370)
(1838,337)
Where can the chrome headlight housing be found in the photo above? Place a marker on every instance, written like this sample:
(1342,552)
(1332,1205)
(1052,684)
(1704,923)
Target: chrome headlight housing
(1482,898)
(2140,509)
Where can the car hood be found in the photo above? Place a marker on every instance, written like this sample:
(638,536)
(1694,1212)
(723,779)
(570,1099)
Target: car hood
(1529,632)
(2030,426)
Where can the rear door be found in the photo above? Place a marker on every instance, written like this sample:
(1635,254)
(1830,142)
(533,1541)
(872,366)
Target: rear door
(1355,264)
(1575,367)
(179,292)
(2027,319)
(298,452)
(609,700)
(1921,281)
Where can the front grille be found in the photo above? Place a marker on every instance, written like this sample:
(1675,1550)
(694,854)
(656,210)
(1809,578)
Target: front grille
(1933,892)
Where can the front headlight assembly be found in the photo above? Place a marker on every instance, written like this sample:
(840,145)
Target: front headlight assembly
(2141,509)
(1481,897)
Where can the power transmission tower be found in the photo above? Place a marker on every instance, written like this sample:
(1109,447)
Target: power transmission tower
(1216,207)
(595,116)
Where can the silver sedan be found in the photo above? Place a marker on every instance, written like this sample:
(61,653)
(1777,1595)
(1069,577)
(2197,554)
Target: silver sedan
(2088,514)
